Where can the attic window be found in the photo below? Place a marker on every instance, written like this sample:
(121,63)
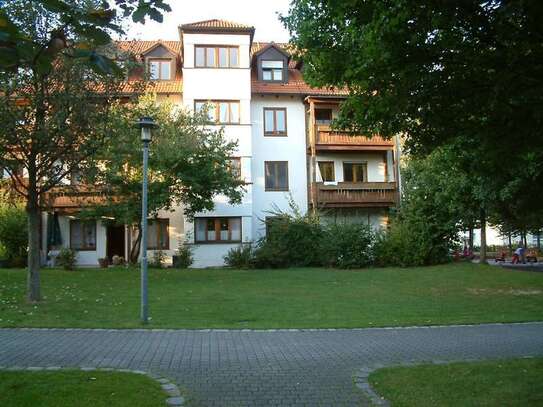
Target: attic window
(159,69)
(272,70)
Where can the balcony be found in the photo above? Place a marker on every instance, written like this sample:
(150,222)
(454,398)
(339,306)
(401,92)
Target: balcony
(326,139)
(349,194)
(72,198)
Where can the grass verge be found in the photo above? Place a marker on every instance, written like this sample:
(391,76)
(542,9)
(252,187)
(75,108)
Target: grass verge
(461,293)
(78,388)
(515,382)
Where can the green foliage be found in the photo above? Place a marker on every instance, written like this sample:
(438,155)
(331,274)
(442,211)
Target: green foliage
(440,74)
(183,257)
(158,259)
(240,257)
(66,258)
(188,164)
(78,27)
(348,246)
(13,233)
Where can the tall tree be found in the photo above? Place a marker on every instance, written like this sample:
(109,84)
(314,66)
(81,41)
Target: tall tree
(448,72)
(55,91)
(188,165)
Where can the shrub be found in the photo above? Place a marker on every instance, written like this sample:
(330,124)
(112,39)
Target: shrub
(183,258)
(13,233)
(66,258)
(348,246)
(158,259)
(240,257)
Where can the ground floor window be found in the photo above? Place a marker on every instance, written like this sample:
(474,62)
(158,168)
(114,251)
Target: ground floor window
(158,237)
(212,230)
(82,235)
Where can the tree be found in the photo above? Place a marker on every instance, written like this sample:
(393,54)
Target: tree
(188,165)
(53,102)
(460,73)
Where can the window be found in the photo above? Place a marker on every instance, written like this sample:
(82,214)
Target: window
(323,116)
(272,70)
(276,174)
(327,171)
(215,57)
(223,112)
(158,237)
(82,235)
(275,121)
(354,172)
(159,69)
(217,230)
(235,167)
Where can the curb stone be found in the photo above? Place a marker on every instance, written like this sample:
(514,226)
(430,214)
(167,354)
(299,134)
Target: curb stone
(173,393)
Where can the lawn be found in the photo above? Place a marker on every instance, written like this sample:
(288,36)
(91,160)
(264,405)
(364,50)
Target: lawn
(77,388)
(515,382)
(293,298)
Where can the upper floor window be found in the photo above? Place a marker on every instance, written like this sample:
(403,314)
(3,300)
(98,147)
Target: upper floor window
(272,70)
(275,121)
(355,172)
(160,69)
(326,169)
(216,57)
(219,111)
(234,165)
(323,116)
(276,175)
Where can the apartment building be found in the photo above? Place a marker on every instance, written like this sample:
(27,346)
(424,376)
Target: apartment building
(286,148)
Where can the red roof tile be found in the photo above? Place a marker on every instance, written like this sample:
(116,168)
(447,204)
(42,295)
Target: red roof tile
(141,47)
(216,25)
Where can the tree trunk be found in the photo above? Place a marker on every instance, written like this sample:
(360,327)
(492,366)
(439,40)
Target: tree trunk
(33,276)
(135,249)
(470,240)
(482,255)
(510,243)
(539,240)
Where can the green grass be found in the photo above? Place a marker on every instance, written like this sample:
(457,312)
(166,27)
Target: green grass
(515,382)
(292,298)
(77,388)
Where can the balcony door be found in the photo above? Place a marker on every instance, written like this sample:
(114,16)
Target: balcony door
(355,172)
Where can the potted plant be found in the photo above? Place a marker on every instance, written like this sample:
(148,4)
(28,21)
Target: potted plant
(183,257)
(103,262)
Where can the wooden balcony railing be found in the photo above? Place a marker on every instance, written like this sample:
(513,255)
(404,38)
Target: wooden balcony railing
(73,197)
(326,139)
(349,194)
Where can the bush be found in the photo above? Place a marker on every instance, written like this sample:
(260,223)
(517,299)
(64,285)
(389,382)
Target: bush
(66,258)
(240,257)
(183,258)
(14,233)
(158,259)
(348,246)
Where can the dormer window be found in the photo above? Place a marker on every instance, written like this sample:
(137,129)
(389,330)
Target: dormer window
(216,57)
(160,69)
(272,70)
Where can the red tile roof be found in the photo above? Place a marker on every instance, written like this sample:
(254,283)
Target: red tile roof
(216,25)
(141,47)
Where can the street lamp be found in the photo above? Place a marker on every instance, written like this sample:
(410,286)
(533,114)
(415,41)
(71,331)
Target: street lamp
(146,124)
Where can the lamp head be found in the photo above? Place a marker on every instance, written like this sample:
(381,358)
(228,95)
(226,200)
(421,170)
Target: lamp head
(146,124)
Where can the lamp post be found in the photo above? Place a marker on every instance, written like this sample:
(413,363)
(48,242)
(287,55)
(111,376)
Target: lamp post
(146,124)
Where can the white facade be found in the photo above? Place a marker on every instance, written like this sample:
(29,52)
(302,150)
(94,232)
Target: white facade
(244,222)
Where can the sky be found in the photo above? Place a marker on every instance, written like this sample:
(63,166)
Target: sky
(258,13)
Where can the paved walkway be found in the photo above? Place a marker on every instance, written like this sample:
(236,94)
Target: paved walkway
(265,368)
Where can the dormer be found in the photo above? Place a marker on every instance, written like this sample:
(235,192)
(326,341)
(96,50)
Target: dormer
(272,64)
(160,62)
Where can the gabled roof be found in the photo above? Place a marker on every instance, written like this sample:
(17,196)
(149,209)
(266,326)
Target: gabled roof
(266,46)
(216,26)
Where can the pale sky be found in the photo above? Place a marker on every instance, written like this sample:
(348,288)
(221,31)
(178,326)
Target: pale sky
(260,14)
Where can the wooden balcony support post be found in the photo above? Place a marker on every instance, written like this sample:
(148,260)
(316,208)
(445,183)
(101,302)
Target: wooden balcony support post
(313,155)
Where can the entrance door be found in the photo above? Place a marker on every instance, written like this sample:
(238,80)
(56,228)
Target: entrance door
(115,241)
